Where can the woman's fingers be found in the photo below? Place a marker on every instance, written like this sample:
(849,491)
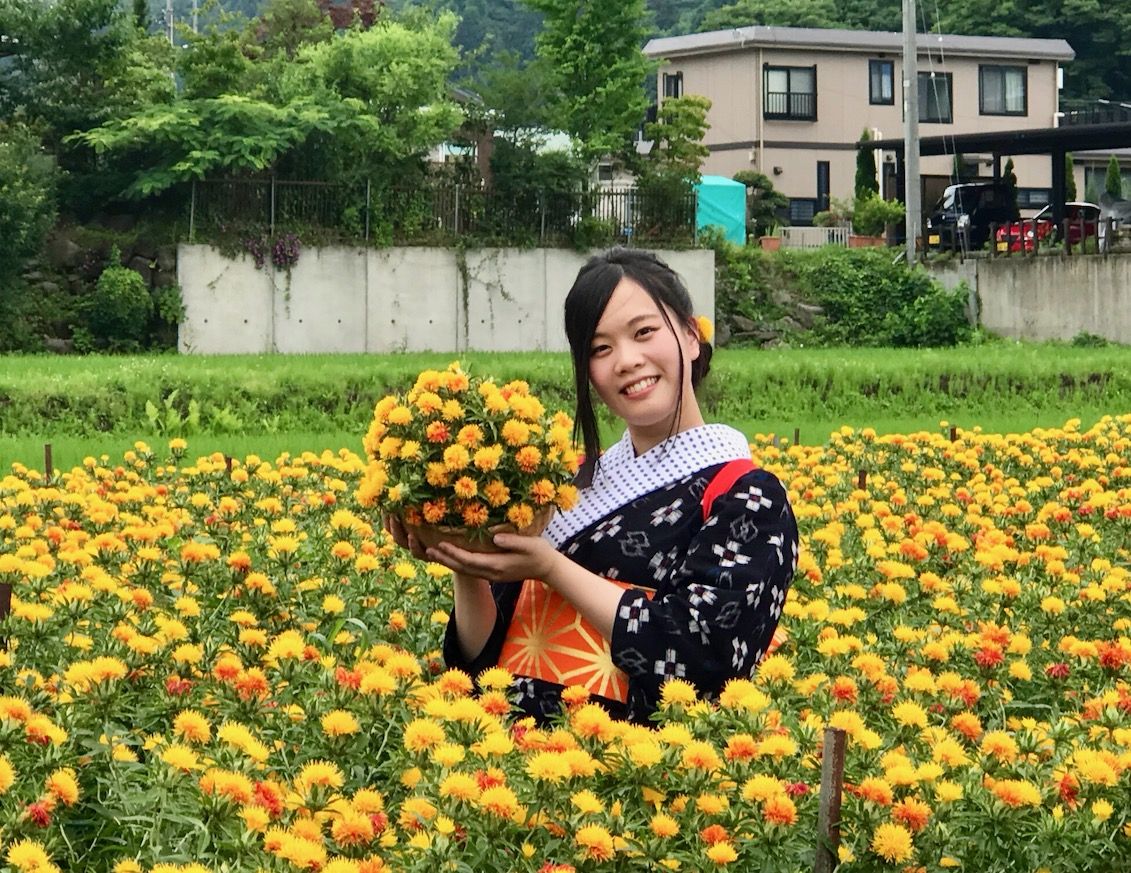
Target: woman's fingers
(402,537)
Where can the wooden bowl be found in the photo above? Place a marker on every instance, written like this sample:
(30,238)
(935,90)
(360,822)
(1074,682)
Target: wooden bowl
(476,539)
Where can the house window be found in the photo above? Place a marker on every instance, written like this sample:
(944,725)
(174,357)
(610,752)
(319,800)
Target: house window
(673,84)
(791,93)
(935,105)
(1033,198)
(1003,90)
(881,83)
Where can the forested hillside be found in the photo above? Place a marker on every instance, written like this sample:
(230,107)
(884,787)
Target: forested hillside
(1102,67)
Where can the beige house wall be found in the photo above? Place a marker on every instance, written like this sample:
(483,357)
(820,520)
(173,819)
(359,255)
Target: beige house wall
(740,138)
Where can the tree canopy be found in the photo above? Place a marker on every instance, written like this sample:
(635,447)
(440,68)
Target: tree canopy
(596,69)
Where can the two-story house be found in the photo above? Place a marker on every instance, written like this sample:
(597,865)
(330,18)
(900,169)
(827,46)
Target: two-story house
(793,102)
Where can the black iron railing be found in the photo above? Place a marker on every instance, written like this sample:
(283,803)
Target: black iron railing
(437,213)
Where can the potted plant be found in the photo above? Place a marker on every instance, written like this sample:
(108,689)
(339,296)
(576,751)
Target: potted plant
(871,219)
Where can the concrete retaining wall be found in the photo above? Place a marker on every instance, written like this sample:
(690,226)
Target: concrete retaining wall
(1048,297)
(341,299)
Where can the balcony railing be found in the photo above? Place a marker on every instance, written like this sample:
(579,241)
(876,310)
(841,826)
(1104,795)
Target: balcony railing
(791,105)
(1078,113)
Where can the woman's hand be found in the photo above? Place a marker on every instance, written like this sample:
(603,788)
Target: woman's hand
(521,558)
(402,537)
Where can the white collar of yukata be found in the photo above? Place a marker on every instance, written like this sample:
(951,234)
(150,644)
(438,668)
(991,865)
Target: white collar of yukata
(623,476)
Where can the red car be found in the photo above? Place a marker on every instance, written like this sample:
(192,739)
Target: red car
(1017,236)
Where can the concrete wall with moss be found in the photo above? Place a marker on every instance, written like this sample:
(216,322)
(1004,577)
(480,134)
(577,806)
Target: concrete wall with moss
(339,299)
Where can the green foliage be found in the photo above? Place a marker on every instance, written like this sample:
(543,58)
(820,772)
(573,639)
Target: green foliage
(363,103)
(27,199)
(871,301)
(1113,181)
(592,232)
(385,93)
(1087,340)
(322,401)
(677,136)
(762,202)
(800,13)
(596,70)
(288,25)
(121,306)
(665,207)
(514,104)
(744,279)
(872,214)
(213,64)
(1069,177)
(866,182)
(190,138)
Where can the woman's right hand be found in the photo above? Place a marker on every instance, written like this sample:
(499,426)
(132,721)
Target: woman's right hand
(402,537)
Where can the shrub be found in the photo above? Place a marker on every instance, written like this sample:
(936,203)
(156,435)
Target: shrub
(870,301)
(763,203)
(121,307)
(872,215)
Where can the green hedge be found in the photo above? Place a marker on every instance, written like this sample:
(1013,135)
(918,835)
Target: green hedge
(275,394)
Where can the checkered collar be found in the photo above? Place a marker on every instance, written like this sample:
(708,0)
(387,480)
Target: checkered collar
(623,476)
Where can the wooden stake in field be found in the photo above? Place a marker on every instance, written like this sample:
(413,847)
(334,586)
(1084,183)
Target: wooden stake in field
(862,480)
(48,463)
(5,609)
(828,813)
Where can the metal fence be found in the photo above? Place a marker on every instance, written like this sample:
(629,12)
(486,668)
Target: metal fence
(436,213)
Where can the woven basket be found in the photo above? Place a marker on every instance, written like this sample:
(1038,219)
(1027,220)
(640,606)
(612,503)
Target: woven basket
(476,539)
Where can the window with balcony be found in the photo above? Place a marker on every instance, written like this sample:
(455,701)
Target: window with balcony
(673,85)
(1003,90)
(935,98)
(791,93)
(881,83)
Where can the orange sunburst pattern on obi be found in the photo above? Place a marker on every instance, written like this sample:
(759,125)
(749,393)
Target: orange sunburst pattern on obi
(548,639)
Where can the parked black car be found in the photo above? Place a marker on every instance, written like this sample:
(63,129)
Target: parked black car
(962,216)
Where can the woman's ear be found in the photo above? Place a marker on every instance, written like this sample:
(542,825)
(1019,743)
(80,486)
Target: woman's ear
(692,339)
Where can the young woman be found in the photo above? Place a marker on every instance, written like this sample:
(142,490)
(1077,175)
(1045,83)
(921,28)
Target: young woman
(676,560)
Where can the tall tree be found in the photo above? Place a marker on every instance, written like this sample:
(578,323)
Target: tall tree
(1113,180)
(1009,177)
(597,68)
(866,185)
(677,136)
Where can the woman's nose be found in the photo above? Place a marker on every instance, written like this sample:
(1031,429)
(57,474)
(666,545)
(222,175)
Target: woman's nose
(628,358)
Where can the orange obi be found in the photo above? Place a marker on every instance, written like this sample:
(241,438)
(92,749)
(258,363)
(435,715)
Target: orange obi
(549,639)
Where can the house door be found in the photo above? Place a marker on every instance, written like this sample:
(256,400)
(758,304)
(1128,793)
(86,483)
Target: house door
(822,185)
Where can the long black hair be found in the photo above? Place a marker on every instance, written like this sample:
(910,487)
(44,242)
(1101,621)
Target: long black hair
(584,306)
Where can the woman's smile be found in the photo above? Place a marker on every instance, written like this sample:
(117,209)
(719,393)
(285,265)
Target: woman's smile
(639,387)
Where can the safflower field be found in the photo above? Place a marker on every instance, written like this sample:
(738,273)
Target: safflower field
(225,665)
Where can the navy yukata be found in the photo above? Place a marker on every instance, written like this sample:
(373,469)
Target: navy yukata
(720,583)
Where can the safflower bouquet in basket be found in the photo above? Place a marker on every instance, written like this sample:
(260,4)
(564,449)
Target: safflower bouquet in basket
(460,458)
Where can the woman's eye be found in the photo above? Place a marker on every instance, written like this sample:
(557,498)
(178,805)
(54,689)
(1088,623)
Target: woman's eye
(598,350)
(644,331)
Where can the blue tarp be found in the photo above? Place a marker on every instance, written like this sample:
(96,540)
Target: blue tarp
(722,204)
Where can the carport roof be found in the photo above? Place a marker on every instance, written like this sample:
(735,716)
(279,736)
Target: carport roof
(1027,141)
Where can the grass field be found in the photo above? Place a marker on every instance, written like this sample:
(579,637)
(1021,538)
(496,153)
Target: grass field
(271,404)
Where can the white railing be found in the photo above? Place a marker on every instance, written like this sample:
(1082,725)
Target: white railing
(813,237)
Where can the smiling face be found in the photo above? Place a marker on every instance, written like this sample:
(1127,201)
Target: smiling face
(634,366)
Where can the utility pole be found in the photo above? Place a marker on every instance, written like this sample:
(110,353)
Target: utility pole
(194,30)
(912,187)
(169,19)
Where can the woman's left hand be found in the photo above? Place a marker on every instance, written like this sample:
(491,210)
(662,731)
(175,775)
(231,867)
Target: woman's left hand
(522,558)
